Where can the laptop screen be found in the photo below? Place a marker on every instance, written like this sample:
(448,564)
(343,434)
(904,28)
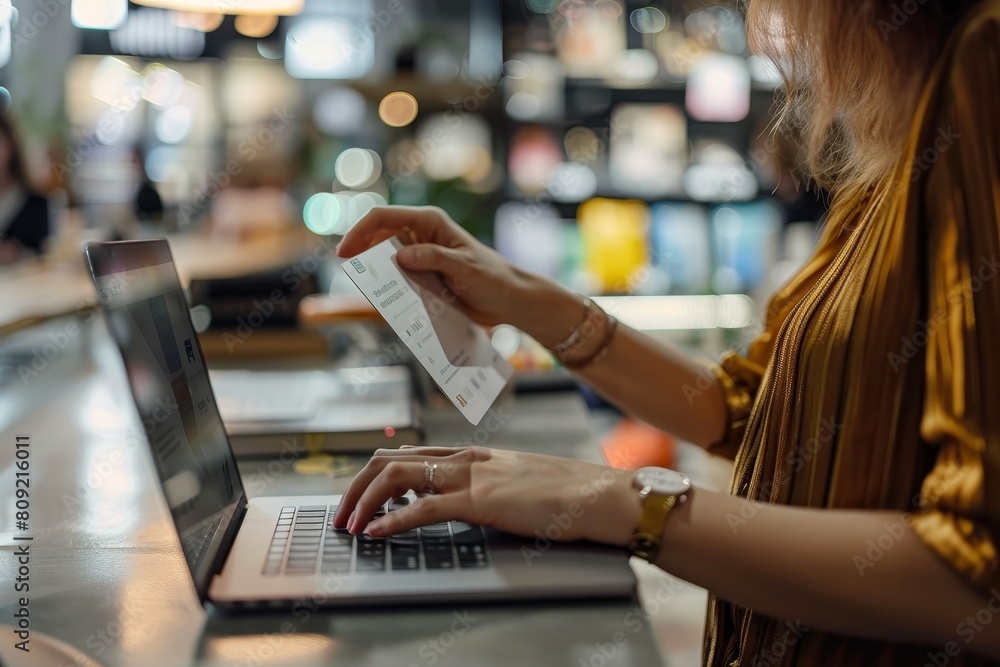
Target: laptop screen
(148,317)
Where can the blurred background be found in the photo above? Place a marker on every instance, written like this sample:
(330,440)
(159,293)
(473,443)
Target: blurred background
(621,147)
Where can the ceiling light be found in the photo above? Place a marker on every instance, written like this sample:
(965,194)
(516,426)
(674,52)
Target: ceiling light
(98,14)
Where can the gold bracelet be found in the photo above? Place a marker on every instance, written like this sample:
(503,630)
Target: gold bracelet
(600,352)
(590,311)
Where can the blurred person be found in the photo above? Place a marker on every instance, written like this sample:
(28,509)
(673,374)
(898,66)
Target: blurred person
(147,204)
(24,214)
(863,518)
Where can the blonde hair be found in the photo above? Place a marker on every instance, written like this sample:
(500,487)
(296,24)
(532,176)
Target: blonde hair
(853,72)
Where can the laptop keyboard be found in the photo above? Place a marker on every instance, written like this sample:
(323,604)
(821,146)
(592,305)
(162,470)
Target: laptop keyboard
(305,543)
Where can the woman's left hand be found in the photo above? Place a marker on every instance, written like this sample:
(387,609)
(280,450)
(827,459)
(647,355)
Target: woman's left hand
(526,494)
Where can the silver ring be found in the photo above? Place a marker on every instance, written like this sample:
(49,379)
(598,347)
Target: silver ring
(429,470)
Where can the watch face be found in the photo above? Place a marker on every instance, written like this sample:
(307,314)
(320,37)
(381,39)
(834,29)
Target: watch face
(662,482)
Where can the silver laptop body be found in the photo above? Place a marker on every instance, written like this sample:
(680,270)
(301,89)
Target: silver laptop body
(282,551)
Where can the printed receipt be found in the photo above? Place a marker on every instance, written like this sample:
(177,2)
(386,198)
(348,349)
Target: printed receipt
(454,350)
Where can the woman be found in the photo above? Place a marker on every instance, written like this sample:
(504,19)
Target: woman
(865,420)
(24,216)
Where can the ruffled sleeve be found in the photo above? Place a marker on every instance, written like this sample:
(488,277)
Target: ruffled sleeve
(959,515)
(739,378)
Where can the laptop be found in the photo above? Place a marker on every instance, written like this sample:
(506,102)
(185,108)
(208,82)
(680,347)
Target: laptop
(275,551)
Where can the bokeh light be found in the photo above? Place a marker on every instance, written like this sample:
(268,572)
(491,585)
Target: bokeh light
(117,84)
(533,156)
(98,14)
(316,48)
(523,106)
(325,213)
(398,109)
(174,124)
(321,213)
(637,65)
(447,150)
(339,111)
(542,6)
(515,69)
(365,202)
(572,182)
(608,9)
(358,168)
(718,88)
(269,50)
(163,163)
(110,127)
(648,20)
(161,86)
(582,144)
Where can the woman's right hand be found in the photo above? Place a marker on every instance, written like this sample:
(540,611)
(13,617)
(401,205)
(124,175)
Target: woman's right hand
(484,285)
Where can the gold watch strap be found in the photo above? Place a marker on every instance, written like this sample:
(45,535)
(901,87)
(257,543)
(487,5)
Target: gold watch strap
(649,533)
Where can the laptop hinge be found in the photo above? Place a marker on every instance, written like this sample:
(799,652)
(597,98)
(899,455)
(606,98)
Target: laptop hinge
(227,544)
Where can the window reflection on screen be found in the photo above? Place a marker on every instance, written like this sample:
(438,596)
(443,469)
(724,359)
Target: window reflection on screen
(148,317)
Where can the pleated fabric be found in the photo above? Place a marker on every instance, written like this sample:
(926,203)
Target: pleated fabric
(876,383)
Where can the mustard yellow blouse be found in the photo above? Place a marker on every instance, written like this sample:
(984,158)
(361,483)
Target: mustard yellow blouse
(876,383)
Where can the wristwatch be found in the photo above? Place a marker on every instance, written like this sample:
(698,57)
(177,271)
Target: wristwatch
(660,490)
